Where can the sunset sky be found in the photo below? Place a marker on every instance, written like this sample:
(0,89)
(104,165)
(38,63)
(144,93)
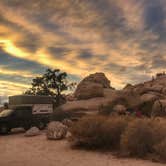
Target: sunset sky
(125,39)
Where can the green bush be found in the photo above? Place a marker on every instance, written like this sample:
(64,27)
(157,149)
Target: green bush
(99,131)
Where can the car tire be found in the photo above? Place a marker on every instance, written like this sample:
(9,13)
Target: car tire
(41,125)
(4,129)
(27,128)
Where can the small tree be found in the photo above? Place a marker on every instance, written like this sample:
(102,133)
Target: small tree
(52,83)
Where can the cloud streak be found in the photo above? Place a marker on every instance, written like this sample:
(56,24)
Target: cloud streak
(124,39)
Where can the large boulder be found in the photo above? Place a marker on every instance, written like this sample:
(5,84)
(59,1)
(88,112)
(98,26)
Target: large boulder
(32,132)
(92,86)
(56,131)
(148,97)
(99,78)
(159,108)
(87,90)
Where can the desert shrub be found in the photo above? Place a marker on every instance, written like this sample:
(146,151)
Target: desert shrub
(59,115)
(86,132)
(146,108)
(108,109)
(99,131)
(160,145)
(140,137)
(112,130)
(105,109)
(160,150)
(159,126)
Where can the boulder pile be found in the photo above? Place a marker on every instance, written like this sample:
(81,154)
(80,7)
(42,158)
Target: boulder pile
(94,91)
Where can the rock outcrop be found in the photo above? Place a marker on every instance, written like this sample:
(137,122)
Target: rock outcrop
(99,78)
(56,131)
(92,86)
(94,91)
(159,108)
(87,90)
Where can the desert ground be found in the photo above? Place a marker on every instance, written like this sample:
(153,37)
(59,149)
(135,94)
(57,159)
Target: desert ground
(18,150)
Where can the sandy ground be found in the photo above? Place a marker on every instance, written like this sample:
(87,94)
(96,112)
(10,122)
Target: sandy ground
(17,150)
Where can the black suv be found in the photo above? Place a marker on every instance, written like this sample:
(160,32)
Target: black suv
(21,117)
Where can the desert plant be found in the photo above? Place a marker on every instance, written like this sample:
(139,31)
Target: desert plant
(99,131)
(109,107)
(160,150)
(87,131)
(59,114)
(112,130)
(139,137)
(146,108)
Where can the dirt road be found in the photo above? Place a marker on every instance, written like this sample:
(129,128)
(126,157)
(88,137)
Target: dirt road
(17,150)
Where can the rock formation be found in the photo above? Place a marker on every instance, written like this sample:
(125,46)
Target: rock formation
(95,91)
(92,86)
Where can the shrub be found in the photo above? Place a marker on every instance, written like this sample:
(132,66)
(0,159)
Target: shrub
(59,115)
(160,150)
(140,136)
(87,131)
(112,130)
(146,108)
(99,131)
(159,126)
(108,109)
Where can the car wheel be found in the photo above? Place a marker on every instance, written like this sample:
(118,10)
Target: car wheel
(41,125)
(27,128)
(4,129)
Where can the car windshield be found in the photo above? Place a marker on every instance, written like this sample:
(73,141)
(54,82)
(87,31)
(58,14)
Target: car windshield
(6,113)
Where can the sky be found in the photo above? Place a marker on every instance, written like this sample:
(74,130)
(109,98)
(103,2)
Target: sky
(125,39)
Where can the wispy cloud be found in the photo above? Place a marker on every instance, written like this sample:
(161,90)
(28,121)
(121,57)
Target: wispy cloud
(124,39)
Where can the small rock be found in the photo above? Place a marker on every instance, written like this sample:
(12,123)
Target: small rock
(32,132)
(56,131)
(68,135)
(67,122)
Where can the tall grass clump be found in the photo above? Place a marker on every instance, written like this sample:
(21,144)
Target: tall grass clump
(129,136)
(138,138)
(141,136)
(160,150)
(99,131)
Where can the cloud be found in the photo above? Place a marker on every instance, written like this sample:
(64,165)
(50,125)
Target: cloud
(124,39)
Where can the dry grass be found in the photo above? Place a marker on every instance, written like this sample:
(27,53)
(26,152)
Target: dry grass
(160,150)
(138,139)
(128,135)
(99,131)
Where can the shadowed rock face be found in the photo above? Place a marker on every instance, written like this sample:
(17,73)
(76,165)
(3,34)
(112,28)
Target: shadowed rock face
(92,86)
(99,78)
(87,90)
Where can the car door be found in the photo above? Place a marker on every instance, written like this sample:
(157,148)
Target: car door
(14,119)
